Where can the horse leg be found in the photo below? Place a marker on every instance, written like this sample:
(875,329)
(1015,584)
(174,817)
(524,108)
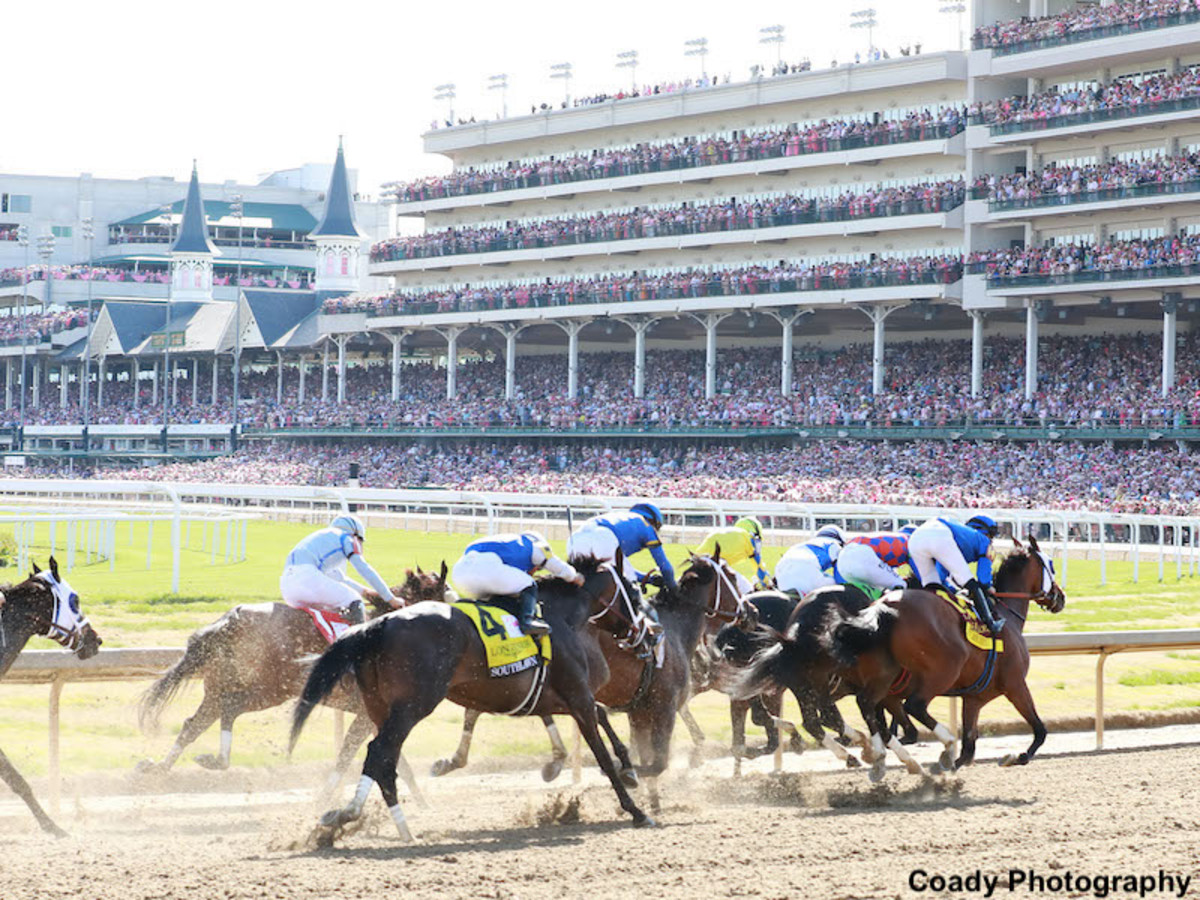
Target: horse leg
(737,718)
(195,725)
(893,743)
(970,730)
(697,735)
(459,759)
(1022,701)
(918,708)
(761,715)
(810,713)
(10,776)
(628,773)
(831,717)
(583,710)
(871,711)
(558,749)
(232,705)
(661,725)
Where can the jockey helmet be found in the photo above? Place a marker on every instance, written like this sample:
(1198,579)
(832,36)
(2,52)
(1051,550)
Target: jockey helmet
(650,513)
(832,531)
(751,525)
(350,525)
(908,529)
(986,524)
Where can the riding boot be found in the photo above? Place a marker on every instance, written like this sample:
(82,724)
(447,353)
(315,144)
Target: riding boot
(356,613)
(983,607)
(653,625)
(527,617)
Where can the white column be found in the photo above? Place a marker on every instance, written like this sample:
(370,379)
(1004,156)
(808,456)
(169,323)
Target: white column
(976,353)
(62,386)
(101,374)
(451,335)
(8,383)
(325,373)
(137,380)
(397,338)
(84,387)
(342,340)
(279,378)
(37,381)
(572,328)
(1031,349)
(710,321)
(1170,312)
(510,362)
(640,327)
(154,389)
(173,381)
(878,315)
(196,381)
(303,371)
(216,367)
(787,319)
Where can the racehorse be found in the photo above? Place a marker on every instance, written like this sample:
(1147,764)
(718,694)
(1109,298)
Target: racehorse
(41,604)
(913,642)
(255,657)
(407,662)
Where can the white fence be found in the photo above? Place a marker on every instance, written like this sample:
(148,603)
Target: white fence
(57,667)
(1163,541)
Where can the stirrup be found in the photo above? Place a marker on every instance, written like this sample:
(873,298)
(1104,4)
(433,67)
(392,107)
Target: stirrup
(535,627)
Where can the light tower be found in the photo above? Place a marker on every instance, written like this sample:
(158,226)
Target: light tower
(337,237)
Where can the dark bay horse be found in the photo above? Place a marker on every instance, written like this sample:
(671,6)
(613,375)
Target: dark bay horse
(254,657)
(42,604)
(407,662)
(913,641)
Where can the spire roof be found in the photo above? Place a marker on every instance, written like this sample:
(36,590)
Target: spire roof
(338,219)
(193,235)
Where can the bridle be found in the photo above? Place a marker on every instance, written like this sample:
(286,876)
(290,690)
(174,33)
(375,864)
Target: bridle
(637,628)
(724,580)
(1043,597)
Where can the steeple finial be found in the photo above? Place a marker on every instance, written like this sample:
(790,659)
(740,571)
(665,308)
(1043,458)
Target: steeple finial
(193,230)
(338,218)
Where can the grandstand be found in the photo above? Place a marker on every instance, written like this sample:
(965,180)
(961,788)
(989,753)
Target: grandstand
(997,246)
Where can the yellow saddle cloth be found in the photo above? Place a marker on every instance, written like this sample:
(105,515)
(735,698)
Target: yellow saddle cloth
(509,650)
(976,632)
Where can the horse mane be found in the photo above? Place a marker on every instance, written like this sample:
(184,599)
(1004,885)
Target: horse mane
(1011,564)
(682,598)
(585,564)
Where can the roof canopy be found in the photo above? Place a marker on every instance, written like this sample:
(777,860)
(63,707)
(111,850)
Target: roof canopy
(271,216)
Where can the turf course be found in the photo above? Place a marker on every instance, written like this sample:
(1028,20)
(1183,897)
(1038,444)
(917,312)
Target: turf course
(131,607)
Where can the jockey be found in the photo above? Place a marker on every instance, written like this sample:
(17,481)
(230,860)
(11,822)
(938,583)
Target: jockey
(503,566)
(871,560)
(315,574)
(632,532)
(741,542)
(943,545)
(803,568)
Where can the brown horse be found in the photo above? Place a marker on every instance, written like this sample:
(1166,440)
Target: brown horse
(255,657)
(41,604)
(913,643)
(408,661)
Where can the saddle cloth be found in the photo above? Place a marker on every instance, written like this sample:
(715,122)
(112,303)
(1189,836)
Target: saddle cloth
(975,631)
(509,650)
(329,623)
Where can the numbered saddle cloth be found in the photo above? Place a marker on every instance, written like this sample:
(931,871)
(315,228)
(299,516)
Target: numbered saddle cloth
(509,650)
(976,632)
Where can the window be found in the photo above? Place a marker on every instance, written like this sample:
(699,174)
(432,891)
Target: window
(60,231)
(1138,234)
(16,203)
(1068,240)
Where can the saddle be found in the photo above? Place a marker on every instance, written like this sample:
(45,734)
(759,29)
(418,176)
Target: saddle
(975,631)
(507,648)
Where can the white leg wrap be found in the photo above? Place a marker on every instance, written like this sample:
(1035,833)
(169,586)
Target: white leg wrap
(877,746)
(560,749)
(905,757)
(226,745)
(942,733)
(360,796)
(853,734)
(834,747)
(401,823)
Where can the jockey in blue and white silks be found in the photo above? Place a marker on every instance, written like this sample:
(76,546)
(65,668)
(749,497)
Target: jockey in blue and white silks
(315,574)
(503,566)
(943,545)
(808,566)
(631,532)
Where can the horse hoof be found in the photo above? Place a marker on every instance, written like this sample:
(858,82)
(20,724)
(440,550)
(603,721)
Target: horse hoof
(336,818)
(852,762)
(878,770)
(629,778)
(695,758)
(936,769)
(444,766)
(796,744)
(946,761)
(212,763)
(1011,759)
(53,830)
(149,767)
(550,770)
(910,737)
(644,822)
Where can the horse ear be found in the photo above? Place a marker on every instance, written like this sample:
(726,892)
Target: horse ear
(54,567)
(408,574)
(619,560)
(717,553)
(445,570)
(1017,544)
(419,572)
(1033,544)
(36,568)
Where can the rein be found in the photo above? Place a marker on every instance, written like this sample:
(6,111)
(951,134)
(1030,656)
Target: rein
(636,633)
(717,612)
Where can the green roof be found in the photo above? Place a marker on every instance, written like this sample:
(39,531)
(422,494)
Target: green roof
(275,216)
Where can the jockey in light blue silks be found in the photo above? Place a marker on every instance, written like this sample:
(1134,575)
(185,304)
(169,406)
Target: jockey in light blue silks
(315,574)
(945,546)
(808,566)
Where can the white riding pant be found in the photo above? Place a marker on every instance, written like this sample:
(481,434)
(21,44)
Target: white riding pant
(931,544)
(602,544)
(859,563)
(483,574)
(304,586)
(799,570)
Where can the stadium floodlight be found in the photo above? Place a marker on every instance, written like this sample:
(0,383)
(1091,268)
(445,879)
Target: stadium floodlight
(500,83)
(237,209)
(698,47)
(773,34)
(167,380)
(88,230)
(23,241)
(446,92)
(957,9)
(45,249)
(865,18)
(629,60)
(562,70)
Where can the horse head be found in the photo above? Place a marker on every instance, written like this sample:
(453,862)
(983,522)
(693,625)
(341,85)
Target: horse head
(612,600)
(48,606)
(420,586)
(711,582)
(1028,573)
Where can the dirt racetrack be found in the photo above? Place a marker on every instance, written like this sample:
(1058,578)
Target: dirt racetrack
(802,834)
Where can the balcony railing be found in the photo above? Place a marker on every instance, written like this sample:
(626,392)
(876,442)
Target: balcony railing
(1086,276)
(787,145)
(1125,192)
(456,245)
(980,42)
(1088,117)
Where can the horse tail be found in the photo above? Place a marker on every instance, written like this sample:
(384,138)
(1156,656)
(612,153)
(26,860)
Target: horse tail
(203,647)
(849,638)
(340,658)
(772,666)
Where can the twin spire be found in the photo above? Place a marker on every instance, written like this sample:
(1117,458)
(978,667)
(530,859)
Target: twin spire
(193,230)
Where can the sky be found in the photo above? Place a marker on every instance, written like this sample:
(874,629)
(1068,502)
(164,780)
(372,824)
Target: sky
(131,88)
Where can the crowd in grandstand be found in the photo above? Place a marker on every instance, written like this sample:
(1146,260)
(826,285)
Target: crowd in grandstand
(688,218)
(1070,182)
(998,475)
(1090,382)
(813,137)
(39,326)
(154,275)
(783,277)
(1081,19)
(1072,258)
